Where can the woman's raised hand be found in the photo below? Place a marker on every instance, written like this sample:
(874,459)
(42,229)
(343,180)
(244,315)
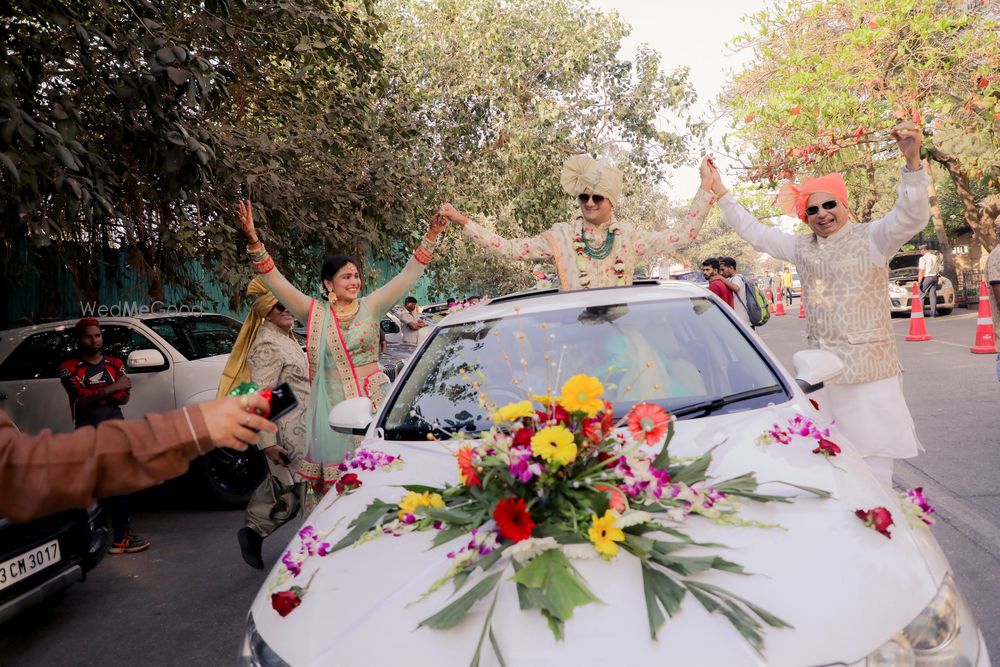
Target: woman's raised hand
(246,221)
(708,173)
(438,223)
(451,213)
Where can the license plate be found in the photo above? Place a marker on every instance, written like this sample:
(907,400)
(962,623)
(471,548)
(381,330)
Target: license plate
(21,567)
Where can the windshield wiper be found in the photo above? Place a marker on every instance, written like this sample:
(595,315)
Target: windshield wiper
(710,405)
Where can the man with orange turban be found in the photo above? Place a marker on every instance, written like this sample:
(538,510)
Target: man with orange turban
(597,249)
(844,270)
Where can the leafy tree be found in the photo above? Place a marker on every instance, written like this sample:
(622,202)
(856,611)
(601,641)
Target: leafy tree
(828,79)
(506,91)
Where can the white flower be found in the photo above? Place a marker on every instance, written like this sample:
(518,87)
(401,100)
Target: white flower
(580,551)
(531,547)
(633,518)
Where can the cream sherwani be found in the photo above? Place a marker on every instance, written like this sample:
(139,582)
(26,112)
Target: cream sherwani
(558,246)
(844,278)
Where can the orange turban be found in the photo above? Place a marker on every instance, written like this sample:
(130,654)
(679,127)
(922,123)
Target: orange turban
(793,199)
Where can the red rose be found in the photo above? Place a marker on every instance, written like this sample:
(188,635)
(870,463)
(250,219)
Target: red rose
(827,448)
(513,520)
(285,601)
(878,518)
(523,436)
(814,403)
(348,482)
(557,414)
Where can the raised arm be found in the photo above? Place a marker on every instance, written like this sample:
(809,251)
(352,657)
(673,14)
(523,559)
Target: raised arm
(774,242)
(291,298)
(912,209)
(382,299)
(527,248)
(680,235)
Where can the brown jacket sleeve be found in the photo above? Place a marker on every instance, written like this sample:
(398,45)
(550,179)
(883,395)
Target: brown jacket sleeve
(49,472)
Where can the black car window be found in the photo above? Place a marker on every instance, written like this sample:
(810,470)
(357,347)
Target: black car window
(121,341)
(197,337)
(39,356)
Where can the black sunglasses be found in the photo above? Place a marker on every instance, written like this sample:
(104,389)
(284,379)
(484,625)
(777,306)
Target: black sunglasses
(278,307)
(584,198)
(827,206)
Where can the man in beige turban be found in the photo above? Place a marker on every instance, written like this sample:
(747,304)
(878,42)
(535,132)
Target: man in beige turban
(267,354)
(597,249)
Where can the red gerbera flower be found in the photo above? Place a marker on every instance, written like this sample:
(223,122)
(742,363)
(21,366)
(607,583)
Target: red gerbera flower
(589,429)
(466,470)
(513,520)
(607,419)
(878,518)
(648,422)
(827,448)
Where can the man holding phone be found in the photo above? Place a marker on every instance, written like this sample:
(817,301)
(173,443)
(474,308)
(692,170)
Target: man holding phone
(267,354)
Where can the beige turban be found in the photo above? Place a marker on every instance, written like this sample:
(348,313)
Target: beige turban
(581,172)
(236,371)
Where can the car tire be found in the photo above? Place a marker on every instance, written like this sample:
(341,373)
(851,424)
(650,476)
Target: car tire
(944,311)
(226,478)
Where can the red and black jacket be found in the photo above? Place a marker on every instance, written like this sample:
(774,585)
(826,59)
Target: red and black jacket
(88,402)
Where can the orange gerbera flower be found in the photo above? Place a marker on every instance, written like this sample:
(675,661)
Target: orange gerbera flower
(466,470)
(648,422)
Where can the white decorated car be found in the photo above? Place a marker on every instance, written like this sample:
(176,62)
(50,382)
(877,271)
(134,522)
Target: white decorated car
(850,595)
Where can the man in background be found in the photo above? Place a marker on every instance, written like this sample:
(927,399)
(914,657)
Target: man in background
(97,388)
(412,323)
(927,277)
(710,268)
(737,285)
(786,284)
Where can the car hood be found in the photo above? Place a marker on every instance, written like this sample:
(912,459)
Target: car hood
(845,588)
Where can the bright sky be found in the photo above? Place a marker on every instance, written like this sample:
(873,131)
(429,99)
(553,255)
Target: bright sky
(690,33)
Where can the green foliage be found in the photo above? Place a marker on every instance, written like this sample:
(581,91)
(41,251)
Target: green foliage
(827,80)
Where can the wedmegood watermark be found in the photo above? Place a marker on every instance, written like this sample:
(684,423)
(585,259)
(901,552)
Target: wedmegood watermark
(134,308)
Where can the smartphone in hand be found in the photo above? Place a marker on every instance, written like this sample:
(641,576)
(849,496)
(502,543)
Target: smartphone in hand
(282,400)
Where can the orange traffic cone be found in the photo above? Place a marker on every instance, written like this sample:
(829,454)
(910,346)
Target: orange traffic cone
(985,344)
(770,296)
(779,307)
(918,330)
(802,307)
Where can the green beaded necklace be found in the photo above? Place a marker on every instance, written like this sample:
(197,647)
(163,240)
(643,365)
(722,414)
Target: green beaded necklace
(601,251)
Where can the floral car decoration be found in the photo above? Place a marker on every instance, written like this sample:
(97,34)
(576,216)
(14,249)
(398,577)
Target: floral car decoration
(551,481)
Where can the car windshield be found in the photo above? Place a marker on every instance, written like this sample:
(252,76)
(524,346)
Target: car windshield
(197,336)
(683,354)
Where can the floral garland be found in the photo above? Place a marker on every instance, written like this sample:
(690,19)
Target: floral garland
(915,506)
(553,481)
(579,247)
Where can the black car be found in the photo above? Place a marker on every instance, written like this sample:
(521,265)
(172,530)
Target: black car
(42,557)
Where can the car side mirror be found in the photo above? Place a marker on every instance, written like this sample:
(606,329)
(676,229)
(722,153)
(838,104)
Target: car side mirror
(352,416)
(389,327)
(814,367)
(145,360)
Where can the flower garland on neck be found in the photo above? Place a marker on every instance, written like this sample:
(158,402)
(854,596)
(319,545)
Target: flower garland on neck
(580,248)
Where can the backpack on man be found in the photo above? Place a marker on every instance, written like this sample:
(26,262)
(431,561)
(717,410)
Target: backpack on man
(758,309)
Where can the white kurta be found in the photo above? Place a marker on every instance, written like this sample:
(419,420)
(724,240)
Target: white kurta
(873,415)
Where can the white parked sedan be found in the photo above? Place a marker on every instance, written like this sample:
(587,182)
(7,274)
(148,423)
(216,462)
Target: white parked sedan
(852,596)
(173,359)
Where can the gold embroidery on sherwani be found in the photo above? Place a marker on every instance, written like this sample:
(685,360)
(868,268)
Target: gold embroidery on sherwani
(848,315)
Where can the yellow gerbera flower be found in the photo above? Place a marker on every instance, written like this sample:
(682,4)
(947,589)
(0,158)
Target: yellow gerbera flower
(583,393)
(554,444)
(414,501)
(548,400)
(514,411)
(603,533)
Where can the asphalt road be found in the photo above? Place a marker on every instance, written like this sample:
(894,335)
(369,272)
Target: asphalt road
(184,601)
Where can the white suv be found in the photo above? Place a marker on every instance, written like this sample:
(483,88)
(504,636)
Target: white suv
(173,360)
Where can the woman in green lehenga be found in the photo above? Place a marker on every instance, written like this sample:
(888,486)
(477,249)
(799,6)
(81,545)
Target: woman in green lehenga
(342,339)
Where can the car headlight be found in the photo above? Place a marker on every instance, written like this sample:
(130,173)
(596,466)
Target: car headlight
(895,289)
(256,652)
(944,634)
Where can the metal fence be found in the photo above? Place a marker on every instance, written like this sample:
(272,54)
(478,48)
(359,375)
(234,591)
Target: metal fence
(967,289)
